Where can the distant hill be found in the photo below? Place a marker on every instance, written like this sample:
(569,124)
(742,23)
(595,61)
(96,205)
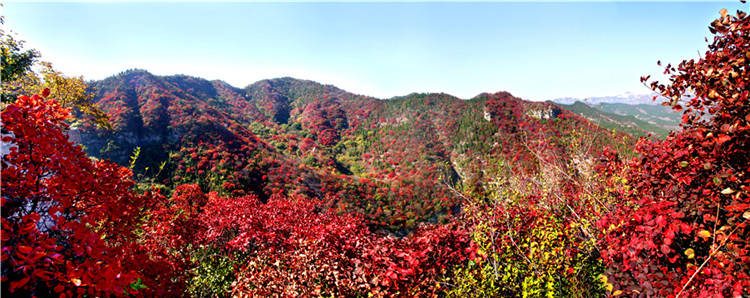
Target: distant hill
(636,114)
(625,98)
(621,117)
(616,113)
(395,161)
(658,115)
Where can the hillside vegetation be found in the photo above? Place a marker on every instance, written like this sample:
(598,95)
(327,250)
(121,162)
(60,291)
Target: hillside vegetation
(636,120)
(177,186)
(398,162)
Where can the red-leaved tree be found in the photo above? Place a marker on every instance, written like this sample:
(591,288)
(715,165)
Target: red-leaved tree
(69,223)
(687,234)
(292,248)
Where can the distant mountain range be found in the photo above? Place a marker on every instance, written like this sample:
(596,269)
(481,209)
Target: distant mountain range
(638,120)
(625,98)
(662,116)
(637,114)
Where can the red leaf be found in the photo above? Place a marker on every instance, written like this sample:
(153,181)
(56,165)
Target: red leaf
(665,249)
(24,249)
(18,284)
(660,221)
(45,93)
(685,228)
(59,289)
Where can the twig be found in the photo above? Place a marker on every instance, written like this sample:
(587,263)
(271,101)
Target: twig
(711,254)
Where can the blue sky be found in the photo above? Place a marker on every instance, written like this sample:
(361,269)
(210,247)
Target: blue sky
(536,51)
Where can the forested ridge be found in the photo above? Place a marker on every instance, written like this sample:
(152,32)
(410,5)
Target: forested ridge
(178,186)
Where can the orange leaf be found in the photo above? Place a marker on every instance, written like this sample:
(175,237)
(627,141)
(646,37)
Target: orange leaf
(723,139)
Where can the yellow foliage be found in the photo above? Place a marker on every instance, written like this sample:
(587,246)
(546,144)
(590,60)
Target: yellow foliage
(704,234)
(70,92)
(690,253)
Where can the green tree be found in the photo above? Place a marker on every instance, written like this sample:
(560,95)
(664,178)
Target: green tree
(15,63)
(70,92)
(18,78)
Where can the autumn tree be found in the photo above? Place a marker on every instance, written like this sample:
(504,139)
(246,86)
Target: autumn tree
(19,78)
(15,62)
(70,224)
(683,231)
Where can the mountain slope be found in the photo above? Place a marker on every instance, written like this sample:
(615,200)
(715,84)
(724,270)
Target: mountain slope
(636,114)
(661,116)
(397,161)
(621,122)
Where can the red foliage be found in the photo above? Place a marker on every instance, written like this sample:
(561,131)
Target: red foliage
(688,233)
(297,249)
(173,222)
(68,222)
